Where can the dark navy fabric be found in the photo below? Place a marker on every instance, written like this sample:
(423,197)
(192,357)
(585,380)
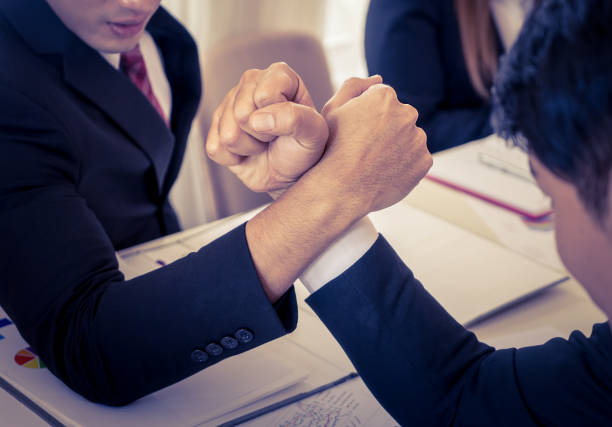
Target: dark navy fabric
(415,45)
(86,164)
(426,369)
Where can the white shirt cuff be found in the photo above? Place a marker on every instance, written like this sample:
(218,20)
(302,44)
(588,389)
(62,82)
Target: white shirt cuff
(341,255)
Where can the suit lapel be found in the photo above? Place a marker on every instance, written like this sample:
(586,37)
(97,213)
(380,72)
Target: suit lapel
(181,63)
(88,73)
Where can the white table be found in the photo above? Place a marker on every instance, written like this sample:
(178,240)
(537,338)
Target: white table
(555,312)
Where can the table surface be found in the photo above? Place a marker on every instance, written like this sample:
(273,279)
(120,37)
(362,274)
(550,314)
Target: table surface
(14,413)
(555,312)
(564,308)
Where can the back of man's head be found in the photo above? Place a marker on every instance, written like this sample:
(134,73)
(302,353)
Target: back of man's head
(554,91)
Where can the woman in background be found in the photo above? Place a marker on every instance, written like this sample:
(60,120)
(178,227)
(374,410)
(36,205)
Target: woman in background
(458,44)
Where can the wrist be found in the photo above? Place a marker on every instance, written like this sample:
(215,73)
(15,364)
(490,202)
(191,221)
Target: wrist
(335,189)
(347,249)
(295,229)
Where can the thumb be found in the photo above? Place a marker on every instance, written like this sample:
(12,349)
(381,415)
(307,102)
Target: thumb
(350,89)
(303,123)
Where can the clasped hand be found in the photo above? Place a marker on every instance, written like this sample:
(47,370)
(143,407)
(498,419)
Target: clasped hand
(364,146)
(267,130)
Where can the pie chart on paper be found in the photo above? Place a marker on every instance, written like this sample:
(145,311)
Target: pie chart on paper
(28,359)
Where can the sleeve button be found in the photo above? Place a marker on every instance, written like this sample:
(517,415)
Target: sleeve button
(214,349)
(199,356)
(244,336)
(229,342)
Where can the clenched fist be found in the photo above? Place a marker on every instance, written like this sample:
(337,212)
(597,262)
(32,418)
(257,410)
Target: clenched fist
(267,130)
(376,154)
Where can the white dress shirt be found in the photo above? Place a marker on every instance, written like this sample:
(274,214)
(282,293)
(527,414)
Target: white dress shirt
(343,253)
(155,70)
(509,16)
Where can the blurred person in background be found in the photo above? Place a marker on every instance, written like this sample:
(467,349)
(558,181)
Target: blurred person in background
(441,57)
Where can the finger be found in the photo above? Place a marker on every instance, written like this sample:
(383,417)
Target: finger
(231,136)
(214,149)
(244,106)
(350,89)
(411,112)
(281,83)
(305,124)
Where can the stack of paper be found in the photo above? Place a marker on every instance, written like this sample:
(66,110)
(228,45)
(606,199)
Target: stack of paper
(470,276)
(494,171)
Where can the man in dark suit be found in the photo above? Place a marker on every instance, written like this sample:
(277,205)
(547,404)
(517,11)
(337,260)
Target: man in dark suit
(97,100)
(554,94)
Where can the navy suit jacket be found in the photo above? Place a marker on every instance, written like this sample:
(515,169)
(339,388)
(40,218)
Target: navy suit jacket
(86,164)
(415,45)
(427,370)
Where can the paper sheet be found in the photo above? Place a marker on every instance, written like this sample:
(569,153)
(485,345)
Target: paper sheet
(230,384)
(349,404)
(469,275)
(13,413)
(526,338)
(493,170)
(535,240)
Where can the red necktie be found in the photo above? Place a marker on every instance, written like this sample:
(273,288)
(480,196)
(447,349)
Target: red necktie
(133,65)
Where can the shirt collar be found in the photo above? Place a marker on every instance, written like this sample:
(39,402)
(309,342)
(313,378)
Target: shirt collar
(112,58)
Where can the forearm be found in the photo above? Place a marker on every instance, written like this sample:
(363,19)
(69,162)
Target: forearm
(287,236)
(163,317)
(414,357)
(85,319)
(426,369)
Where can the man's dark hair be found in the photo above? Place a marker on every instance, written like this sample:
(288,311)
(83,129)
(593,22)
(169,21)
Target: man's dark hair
(553,94)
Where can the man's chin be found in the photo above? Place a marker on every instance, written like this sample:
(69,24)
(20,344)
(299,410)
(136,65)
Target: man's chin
(112,45)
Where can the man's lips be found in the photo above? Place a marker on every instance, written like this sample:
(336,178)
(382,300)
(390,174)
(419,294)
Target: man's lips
(127,28)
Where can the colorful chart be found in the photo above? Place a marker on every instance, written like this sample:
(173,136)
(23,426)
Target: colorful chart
(28,359)
(4,322)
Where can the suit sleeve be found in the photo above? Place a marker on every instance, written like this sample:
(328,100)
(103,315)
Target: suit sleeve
(402,44)
(111,340)
(426,369)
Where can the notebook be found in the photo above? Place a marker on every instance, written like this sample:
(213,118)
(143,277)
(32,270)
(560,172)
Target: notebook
(495,171)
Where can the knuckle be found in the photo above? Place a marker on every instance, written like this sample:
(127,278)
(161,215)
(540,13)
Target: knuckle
(250,75)
(352,82)
(429,160)
(383,93)
(411,112)
(388,92)
(422,136)
(211,149)
(241,113)
(282,71)
(263,96)
(229,137)
(280,66)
